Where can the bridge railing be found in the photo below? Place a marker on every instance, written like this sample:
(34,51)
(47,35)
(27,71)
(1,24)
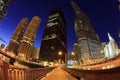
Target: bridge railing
(108,74)
(12,73)
(27,74)
(1,71)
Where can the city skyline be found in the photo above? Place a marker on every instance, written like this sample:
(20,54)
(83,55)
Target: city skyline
(104,18)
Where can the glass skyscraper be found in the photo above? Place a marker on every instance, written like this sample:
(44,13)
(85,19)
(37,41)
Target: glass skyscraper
(54,37)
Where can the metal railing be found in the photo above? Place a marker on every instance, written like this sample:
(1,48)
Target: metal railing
(108,74)
(27,74)
(1,71)
(12,73)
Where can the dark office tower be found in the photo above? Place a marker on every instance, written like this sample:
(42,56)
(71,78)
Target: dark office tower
(89,45)
(26,46)
(17,36)
(54,38)
(3,7)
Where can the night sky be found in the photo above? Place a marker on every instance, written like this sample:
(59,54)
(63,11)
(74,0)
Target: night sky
(104,15)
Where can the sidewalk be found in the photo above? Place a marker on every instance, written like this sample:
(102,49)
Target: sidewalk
(58,74)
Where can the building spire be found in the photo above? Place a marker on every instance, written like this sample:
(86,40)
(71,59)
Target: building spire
(76,8)
(110,37)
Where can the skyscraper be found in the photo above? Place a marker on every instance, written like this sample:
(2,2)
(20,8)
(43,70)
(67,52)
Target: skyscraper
(17,36)
(89,44)
(27,42)
(54,38)
(3,7)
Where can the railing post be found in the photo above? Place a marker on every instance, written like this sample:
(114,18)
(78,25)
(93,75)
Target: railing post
(5,70)
(1,70)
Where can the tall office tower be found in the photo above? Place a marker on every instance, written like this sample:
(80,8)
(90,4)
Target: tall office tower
(54,38)
(26,47)
(3,7)
(89,45)
(17,36)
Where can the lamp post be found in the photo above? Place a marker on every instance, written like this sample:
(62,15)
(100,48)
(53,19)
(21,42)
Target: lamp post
(73,55)
(60,54)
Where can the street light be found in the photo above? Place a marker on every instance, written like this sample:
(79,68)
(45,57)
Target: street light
(59,53)
(73,54)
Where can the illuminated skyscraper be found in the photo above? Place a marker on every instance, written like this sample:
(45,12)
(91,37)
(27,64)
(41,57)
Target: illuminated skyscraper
(26,47)
(17,36)
(54,38)
(89,45)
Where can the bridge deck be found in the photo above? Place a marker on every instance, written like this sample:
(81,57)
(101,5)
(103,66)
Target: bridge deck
(59,74)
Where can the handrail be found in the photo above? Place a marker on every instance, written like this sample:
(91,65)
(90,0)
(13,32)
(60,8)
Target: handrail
(1,70)
(27,74)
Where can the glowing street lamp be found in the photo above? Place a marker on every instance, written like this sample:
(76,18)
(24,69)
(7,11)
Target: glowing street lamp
(73,54)
(60,53)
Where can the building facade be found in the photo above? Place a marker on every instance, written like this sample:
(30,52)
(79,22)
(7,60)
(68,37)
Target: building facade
(54,37)
(75,52)
(89,45)
(17,36)
(111,49)
(35,55)
(3,7)
(2,46)
(25,49)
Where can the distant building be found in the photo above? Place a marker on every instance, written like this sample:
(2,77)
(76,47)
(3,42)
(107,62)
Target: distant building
(74,55)
(26,46)
(2,46)
(111,49)
(35,55)
(17,36)
(89,45)
(119,32)
(54,37)
(3,7)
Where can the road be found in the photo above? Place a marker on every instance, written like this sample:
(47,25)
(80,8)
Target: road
(58,74)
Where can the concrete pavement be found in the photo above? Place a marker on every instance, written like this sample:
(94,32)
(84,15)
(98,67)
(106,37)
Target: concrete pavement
(58,74)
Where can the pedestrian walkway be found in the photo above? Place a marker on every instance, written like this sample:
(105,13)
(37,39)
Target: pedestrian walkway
(58,74)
